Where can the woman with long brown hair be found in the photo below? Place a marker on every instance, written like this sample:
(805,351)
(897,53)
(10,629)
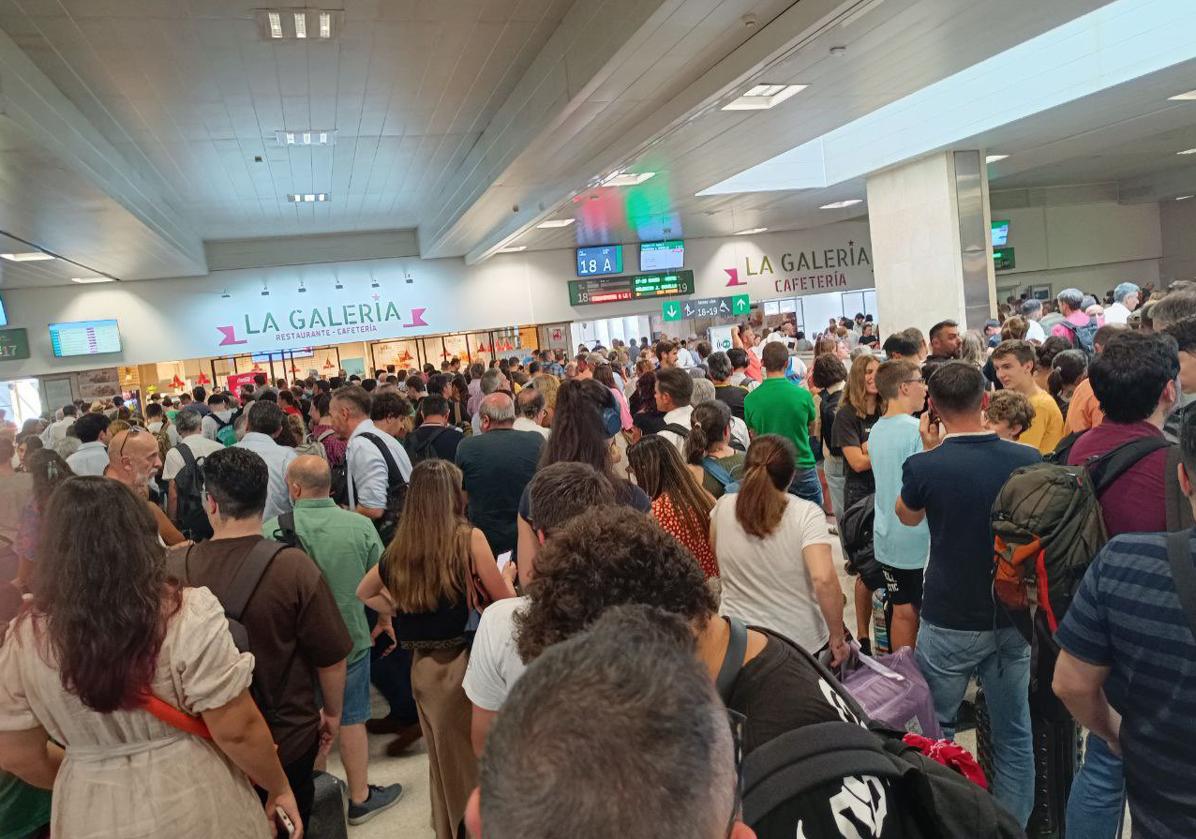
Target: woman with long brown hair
(114,661)
(757,534)
(679,504)
(708,450)
(437,571)
(48,470)
(859,409)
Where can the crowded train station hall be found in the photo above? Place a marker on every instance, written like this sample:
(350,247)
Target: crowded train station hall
(598,419)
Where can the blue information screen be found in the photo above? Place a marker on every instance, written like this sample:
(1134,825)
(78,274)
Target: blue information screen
(597,262)
(85,337)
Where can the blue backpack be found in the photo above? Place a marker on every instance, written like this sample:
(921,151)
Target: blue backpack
(716,471)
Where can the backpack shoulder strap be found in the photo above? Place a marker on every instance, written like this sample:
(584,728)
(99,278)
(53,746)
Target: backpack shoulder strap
(1179,555)
(716,470)
(246,580)
(801,760)
(186,454)
(1179,509)
(392,468)
(678,429)
(325,434)
(733,659)
(1110,466)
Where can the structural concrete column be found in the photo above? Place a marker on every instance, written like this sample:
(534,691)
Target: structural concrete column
(931,242)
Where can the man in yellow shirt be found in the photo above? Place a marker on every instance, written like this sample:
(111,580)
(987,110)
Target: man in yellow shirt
(1014,363)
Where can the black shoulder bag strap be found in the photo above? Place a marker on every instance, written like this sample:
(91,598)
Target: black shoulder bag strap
(249,575)
(733,660)
(286,530)
(392,468)
(1179,509)
(1110,466)
(186,454)
(1179,554)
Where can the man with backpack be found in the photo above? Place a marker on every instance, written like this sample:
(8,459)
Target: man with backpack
(345,547)
(182,471)
(1077,327)
(282,605)
(674,392)
(218,422)
(1127,671)
(952,487)
(434,438)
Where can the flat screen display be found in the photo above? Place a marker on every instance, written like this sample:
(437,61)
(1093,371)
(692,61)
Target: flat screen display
(1000,234)
(662,256)
(600,261)
(3,314)
(639,287)
(84,337)
(264,357)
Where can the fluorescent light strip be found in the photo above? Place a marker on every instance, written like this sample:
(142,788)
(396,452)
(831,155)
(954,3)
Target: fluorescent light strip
(325,25)
(1183,97)
(1187,151)
(1182,197)
(839,205)
(91,280)
(995,158)
(513,249)
(751,231)
(308,197)
(306,137)
(554,223)
(275,20)
(627,178)
(1111,45)
(29,256)
(760,99)
(300,24)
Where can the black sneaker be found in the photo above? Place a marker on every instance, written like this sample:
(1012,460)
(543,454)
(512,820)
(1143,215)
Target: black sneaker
(865,645)
(380,798)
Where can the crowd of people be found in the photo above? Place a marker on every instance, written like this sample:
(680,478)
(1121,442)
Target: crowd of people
(543,566)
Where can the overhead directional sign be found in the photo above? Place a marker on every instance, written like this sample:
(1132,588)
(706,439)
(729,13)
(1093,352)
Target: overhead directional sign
(636,287)
(738,305)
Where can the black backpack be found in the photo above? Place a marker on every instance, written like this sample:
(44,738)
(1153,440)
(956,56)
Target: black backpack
(339,490)
(1083,337)
(188,486)
(856,534)
(423,447)
(887,789)
(396,491)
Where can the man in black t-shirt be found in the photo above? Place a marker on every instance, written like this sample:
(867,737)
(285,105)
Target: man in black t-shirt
(435,437)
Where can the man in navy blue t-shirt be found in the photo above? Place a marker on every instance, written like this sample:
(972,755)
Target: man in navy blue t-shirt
(1127,669)
(953,486)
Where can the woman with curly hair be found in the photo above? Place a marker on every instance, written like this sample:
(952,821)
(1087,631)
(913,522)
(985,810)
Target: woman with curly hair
(131,692)
(612,556)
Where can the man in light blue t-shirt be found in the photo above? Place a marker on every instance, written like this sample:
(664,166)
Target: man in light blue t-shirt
(901,551)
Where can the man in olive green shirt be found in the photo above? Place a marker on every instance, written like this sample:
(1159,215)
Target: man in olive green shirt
(345,546)
(778,406)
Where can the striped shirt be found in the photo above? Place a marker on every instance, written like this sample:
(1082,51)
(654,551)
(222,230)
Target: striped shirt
(1127,616)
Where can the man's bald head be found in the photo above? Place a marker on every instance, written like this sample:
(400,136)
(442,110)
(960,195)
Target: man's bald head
(497,411)
(309,476)
(133,457)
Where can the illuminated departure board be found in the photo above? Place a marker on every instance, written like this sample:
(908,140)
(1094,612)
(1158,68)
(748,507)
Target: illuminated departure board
(637,287)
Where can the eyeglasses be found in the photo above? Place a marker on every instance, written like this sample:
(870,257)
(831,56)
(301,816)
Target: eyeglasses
(914,381)
(131,431)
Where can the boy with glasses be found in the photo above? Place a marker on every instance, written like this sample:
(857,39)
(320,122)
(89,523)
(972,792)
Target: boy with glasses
(902,551)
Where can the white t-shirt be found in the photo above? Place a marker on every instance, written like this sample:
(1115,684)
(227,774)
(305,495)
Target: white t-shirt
(199,445)
(369,478)
(765,581)
(494,665)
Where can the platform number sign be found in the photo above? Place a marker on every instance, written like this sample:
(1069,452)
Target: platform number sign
(600,261)
(14,344)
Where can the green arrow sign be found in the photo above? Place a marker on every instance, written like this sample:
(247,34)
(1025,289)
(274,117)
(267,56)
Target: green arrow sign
(671,311)
(740,304)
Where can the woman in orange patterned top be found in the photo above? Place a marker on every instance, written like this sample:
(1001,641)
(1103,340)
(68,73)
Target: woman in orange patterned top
(679,503)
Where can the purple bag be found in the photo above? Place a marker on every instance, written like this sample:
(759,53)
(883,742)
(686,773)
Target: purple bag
(892,691)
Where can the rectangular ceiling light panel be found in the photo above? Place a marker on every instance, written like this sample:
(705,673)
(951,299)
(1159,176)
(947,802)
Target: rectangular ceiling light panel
(762,97)
(308,197)
(1114,44)
(29,256)
(306,137)
(298,24)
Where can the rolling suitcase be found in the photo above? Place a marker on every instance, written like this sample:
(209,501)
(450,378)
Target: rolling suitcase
(328,818)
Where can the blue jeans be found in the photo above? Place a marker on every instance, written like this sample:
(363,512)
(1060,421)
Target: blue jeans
(805,484)
(1097,802)
(1001,659)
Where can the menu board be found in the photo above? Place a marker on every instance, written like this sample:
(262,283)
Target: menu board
(86,337)
(662,256)
(637,287)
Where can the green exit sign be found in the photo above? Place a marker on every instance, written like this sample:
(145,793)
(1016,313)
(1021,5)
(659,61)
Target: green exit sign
(1003,259)
(14,344)
(735,306)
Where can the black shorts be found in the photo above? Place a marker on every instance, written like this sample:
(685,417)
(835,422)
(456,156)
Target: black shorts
(904,585)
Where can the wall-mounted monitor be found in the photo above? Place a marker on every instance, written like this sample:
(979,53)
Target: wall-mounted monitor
(1000,233)
(662,256)
(84,337)
(600,261)
(3,314)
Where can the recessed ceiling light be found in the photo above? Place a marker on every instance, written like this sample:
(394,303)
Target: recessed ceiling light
(275,20)
(1183,97)
(297,24)
(308,197)
(1182,197)
(556,222)
(752,230)
(30,256)
(91,280)
(994,158)
(513,249)
(1187,151)
(306,137)
(300,24)
(627,178)
(325,25)
(764,96)
(839,205)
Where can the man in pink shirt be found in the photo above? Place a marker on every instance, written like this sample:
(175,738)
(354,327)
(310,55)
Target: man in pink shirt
(1071,306)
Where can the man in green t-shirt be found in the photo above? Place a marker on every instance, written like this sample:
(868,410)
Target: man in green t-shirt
(778,406)
(344,546)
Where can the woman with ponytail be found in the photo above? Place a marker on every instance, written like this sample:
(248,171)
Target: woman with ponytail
(1068,369)
(679,504)
(758,533)
(708,450)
